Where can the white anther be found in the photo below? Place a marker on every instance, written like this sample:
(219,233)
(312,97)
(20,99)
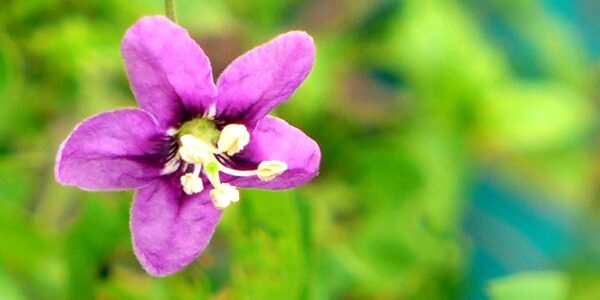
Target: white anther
(191,184)
(270,169)
(234,137)
(223,195)
(193,150)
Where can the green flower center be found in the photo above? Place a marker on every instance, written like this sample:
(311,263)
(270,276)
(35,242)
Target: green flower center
(204,130)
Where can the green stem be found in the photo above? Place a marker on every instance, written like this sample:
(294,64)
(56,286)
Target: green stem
(170,10)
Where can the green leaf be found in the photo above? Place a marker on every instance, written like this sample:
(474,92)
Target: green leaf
(268,247)
(9,288)
(101,227)
(28,252)
(547,285)
(263,13)
(5,69)
(528,117)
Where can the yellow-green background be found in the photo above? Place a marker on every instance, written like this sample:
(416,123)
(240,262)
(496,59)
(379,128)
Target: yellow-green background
(416,105)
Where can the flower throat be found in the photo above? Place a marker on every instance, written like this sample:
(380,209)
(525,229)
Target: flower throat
(206,148)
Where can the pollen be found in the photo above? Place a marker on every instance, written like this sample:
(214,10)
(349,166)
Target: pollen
(269,169)
(191,184)
(193,150)
(223,195)
(233,139)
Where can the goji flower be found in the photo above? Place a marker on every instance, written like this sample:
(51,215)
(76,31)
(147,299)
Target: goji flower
(192,143)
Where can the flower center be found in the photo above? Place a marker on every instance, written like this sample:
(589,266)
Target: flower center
(206,150)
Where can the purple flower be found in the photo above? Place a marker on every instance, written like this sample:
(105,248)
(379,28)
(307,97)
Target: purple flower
(192,143)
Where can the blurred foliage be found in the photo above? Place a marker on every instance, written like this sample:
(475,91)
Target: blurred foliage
(533,285)
(408,100)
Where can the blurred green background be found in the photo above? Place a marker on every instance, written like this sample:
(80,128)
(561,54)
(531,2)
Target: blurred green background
(459,139)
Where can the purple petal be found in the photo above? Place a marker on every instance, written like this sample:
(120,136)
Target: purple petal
(170,75)
(274,139)
(169,228)
(110,151)
(256,82)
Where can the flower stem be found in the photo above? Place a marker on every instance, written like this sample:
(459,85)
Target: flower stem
(170,10)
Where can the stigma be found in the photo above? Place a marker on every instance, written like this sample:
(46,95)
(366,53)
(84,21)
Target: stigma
(206,149)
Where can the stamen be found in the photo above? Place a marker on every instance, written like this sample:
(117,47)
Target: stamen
(193,150)
(266,171)
(197,169)
(200,151)
(191,184)
(238,173)
(269,169)
(233,138)
(223,195)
